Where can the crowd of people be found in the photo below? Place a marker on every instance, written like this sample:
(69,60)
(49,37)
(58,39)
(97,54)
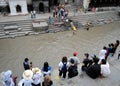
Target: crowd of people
(94,66)
(99,66)
(60,11)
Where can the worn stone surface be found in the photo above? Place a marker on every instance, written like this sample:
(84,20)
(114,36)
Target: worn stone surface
(52,47)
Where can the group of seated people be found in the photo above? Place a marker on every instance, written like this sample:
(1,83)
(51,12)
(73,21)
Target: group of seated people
(93,68)
(99,66)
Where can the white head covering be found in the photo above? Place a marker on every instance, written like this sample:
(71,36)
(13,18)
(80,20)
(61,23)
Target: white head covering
(36,70)
(7,75)
(27,74)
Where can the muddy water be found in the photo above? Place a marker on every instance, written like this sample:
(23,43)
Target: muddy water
(52,47)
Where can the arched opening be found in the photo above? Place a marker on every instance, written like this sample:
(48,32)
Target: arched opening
(41,7)
(18,8)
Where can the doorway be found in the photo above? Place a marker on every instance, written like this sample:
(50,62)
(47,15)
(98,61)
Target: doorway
(18,8)
(41,7)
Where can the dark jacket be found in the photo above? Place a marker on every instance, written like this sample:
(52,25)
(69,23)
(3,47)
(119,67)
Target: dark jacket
(26,65)
(94,71)
(72,71)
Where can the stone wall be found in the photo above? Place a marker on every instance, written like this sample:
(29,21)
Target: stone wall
(21,3)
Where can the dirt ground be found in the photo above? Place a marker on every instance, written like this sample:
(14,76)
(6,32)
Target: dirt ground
(52,47)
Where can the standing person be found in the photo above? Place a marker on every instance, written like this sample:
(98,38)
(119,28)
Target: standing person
(50,20)
(102,54)
(8,79)
(75,58)
(66,13)
(47,81)
(46,69)
(109,49)
(54,9)
(34,13)
(27,78)
(72,70)
(63,66)
(113,49)
(26,64)
(74,11)
(37,76)
(116,44)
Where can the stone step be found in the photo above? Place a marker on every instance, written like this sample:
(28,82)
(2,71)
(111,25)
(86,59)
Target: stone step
(26,25)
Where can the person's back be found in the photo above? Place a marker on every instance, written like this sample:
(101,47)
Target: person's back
(7,79)
(72,70)
(102,53)
(47,81)
(46,69)
(26,64)
(27,82)
(63,66)
(105,69)
(94,70)
(75,58)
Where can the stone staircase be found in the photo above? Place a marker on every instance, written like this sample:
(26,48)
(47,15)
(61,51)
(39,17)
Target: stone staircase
(20,28)
(97,18)
(24,27)
(81,20)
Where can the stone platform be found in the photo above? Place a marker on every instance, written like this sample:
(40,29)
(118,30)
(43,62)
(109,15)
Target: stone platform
(40,26)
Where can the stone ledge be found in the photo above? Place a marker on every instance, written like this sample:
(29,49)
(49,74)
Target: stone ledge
(40,26)
(10,27)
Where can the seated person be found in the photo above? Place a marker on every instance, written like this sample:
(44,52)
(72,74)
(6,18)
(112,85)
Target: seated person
(46,69)
(94,70)
(105,68)
(86,62)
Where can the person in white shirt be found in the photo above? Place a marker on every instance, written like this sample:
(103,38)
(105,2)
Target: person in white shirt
(27,78)
(105,68)
(37,76)
(63,66)
(102,54)
(34,13)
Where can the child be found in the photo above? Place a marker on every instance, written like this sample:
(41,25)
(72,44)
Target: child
(31,65)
